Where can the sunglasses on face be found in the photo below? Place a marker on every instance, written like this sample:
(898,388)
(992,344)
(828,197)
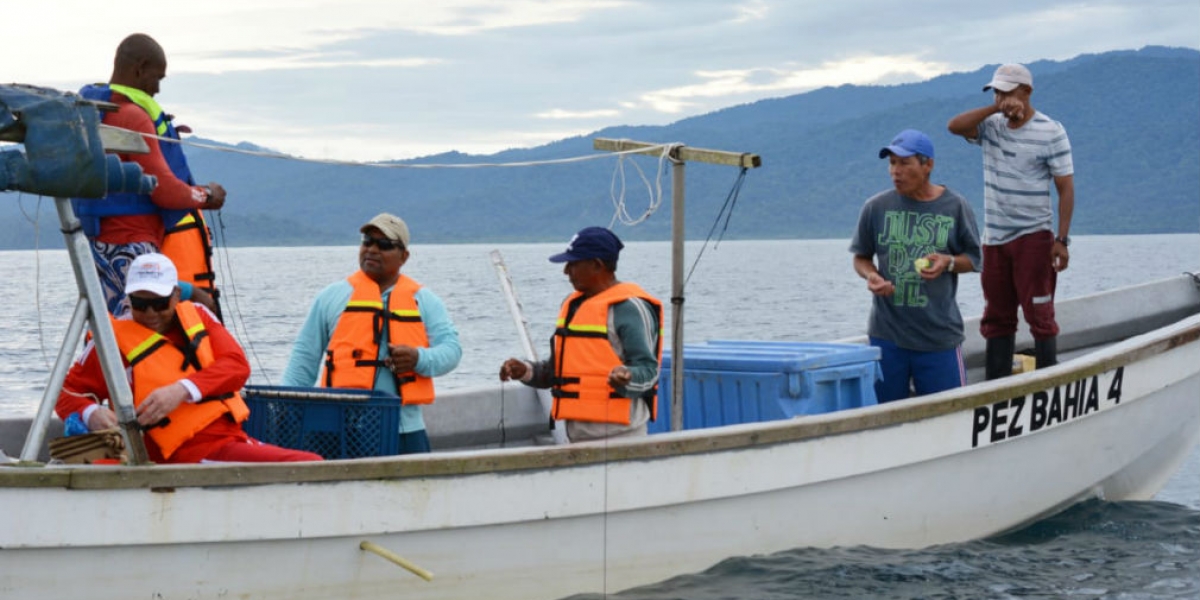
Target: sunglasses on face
(158,304)
(383,244)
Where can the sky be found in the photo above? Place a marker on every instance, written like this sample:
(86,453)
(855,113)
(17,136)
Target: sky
(366,80)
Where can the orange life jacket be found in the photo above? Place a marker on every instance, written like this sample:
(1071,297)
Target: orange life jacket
(352,356)
(156,362)
(583,358)
(188,243)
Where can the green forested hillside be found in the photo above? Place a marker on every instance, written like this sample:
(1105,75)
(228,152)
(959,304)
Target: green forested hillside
(1133,118)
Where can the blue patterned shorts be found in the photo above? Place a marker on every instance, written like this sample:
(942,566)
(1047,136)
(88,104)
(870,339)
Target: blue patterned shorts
(112,263)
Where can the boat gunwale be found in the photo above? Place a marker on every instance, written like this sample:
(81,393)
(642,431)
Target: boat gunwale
(166,478)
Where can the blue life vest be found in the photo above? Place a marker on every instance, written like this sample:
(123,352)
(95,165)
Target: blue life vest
(90,210)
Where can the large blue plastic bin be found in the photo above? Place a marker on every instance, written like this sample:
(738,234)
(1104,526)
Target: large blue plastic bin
(732,381)
(335,423)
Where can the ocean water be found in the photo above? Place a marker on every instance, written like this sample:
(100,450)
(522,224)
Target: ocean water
(769,290)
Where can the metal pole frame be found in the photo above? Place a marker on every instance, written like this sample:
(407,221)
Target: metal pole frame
(679,155)
(92,309)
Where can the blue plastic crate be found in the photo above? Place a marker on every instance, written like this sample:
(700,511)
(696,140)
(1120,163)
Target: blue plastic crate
(729,381)
(335,423)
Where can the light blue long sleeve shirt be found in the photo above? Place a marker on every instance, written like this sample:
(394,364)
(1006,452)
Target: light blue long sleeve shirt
(308,353)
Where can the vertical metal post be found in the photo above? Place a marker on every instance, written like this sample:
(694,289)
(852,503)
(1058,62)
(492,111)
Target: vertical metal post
(677,176)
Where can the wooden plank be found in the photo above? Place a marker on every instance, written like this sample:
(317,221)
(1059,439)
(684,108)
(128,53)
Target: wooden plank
(684,153)
(116,139)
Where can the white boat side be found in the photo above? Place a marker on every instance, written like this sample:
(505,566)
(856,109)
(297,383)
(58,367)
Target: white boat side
(550,521)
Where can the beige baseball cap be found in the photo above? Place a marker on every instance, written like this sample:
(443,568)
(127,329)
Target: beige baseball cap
(390,225)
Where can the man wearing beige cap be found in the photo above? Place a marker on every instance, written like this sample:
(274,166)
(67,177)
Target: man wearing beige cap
(1024,152)
(343,345)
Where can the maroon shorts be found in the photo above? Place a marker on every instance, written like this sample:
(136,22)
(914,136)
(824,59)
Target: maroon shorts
(1019,273)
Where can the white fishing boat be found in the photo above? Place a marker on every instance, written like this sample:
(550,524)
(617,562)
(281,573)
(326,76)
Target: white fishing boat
(538,520)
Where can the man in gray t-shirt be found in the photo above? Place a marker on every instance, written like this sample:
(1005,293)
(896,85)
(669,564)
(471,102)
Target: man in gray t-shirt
(910,244)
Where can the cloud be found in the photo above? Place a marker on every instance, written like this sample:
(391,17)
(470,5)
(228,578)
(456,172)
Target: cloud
(304,61)
(773,81)
(754,10)
(559,113)
(389,79)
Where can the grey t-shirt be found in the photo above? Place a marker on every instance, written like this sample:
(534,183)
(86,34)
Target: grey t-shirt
(1019,167)
(896,230)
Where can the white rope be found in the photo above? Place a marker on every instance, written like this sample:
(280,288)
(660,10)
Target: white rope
(617,192)
(393,165)
(616,189)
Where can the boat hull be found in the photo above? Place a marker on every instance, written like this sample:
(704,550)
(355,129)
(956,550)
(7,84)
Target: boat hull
(549,522)
(546,522)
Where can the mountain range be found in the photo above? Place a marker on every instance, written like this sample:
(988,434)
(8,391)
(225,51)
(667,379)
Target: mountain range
(1133,117)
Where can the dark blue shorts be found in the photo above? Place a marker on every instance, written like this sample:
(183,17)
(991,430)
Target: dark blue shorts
(414,442)
(912,372)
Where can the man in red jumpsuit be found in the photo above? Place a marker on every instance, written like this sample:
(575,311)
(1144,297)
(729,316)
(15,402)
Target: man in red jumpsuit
(185,370)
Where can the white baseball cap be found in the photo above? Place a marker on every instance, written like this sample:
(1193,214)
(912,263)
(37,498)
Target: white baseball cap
(1008,77)
(152,273)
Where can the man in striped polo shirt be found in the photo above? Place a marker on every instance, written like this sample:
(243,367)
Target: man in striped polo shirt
(1024,151)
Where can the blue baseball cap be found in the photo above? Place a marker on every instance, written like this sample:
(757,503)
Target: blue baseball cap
(589,243)
(908,143)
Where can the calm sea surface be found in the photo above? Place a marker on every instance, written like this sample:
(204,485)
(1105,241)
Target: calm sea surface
(773,290)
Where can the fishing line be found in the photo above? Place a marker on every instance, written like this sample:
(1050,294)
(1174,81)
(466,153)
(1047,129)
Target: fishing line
(604,517)
(237,316)
(730,203)
(503,431)
(37,270)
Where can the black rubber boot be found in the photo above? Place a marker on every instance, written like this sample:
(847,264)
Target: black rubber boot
(1000,356)
(1046,352)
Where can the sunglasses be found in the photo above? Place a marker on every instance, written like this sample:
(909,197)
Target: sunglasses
(158,304)
(383,244)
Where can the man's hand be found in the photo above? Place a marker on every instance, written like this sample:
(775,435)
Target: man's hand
(160,403)
(620,376)
(102,418)
(880,286)
(1059,257)
(513,368)
(200,296)
(216,196)
(1012,108)
(401,358)
(938,264)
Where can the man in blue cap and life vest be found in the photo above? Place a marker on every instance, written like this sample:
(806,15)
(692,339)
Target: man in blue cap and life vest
(606,348)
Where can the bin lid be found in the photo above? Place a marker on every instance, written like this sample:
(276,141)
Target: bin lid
(770,356)
(316,393)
